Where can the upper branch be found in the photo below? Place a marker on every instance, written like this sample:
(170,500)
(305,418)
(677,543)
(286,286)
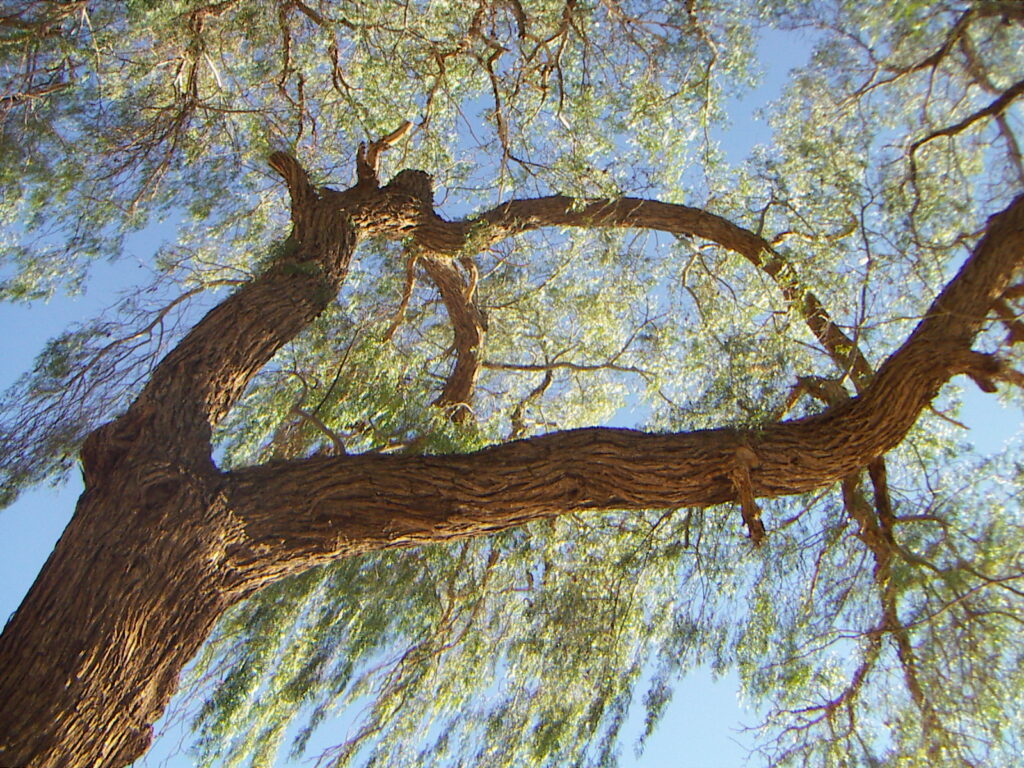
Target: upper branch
(516,216)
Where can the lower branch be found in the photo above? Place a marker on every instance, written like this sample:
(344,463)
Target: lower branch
(304,512)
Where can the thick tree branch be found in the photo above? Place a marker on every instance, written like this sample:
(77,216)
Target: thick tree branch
(139,576)
(143,557)
(195,386)
(162,543)
(310,511)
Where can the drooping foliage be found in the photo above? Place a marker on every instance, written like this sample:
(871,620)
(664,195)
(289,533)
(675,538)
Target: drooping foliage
(874,625)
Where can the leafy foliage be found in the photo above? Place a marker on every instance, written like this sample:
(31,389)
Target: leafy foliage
(887,150)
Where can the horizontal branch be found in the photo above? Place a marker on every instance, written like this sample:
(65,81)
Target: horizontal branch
(563,364)
(303,512)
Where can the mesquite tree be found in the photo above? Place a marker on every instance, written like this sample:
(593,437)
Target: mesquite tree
(368,470)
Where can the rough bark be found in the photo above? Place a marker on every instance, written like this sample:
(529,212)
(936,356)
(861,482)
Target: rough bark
(162,542)
(139,577)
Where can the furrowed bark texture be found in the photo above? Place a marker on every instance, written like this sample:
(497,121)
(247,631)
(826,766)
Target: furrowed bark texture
(142,572)
(162,542)
(304,512)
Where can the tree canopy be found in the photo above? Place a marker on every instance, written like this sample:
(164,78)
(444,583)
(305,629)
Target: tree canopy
(347,442)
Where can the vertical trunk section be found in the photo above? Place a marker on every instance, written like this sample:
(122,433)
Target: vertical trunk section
(143,570)
(131,590)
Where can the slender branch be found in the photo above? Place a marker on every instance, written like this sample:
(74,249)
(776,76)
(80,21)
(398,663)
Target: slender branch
(368,156)
(316,421)
(997,107)
(563,364)
(517,419)
(407,289)
(410,194)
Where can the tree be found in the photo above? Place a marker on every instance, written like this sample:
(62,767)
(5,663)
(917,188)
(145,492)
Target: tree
(431,445)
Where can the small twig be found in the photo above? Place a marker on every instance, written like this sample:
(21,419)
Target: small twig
(517,420)
(316,421)
(745,460)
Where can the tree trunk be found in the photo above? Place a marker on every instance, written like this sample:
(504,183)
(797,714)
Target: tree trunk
(143,570)
(132,588)
(162,542)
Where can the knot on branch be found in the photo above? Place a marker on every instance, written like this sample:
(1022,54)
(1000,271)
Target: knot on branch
(107,446)
(134,745)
